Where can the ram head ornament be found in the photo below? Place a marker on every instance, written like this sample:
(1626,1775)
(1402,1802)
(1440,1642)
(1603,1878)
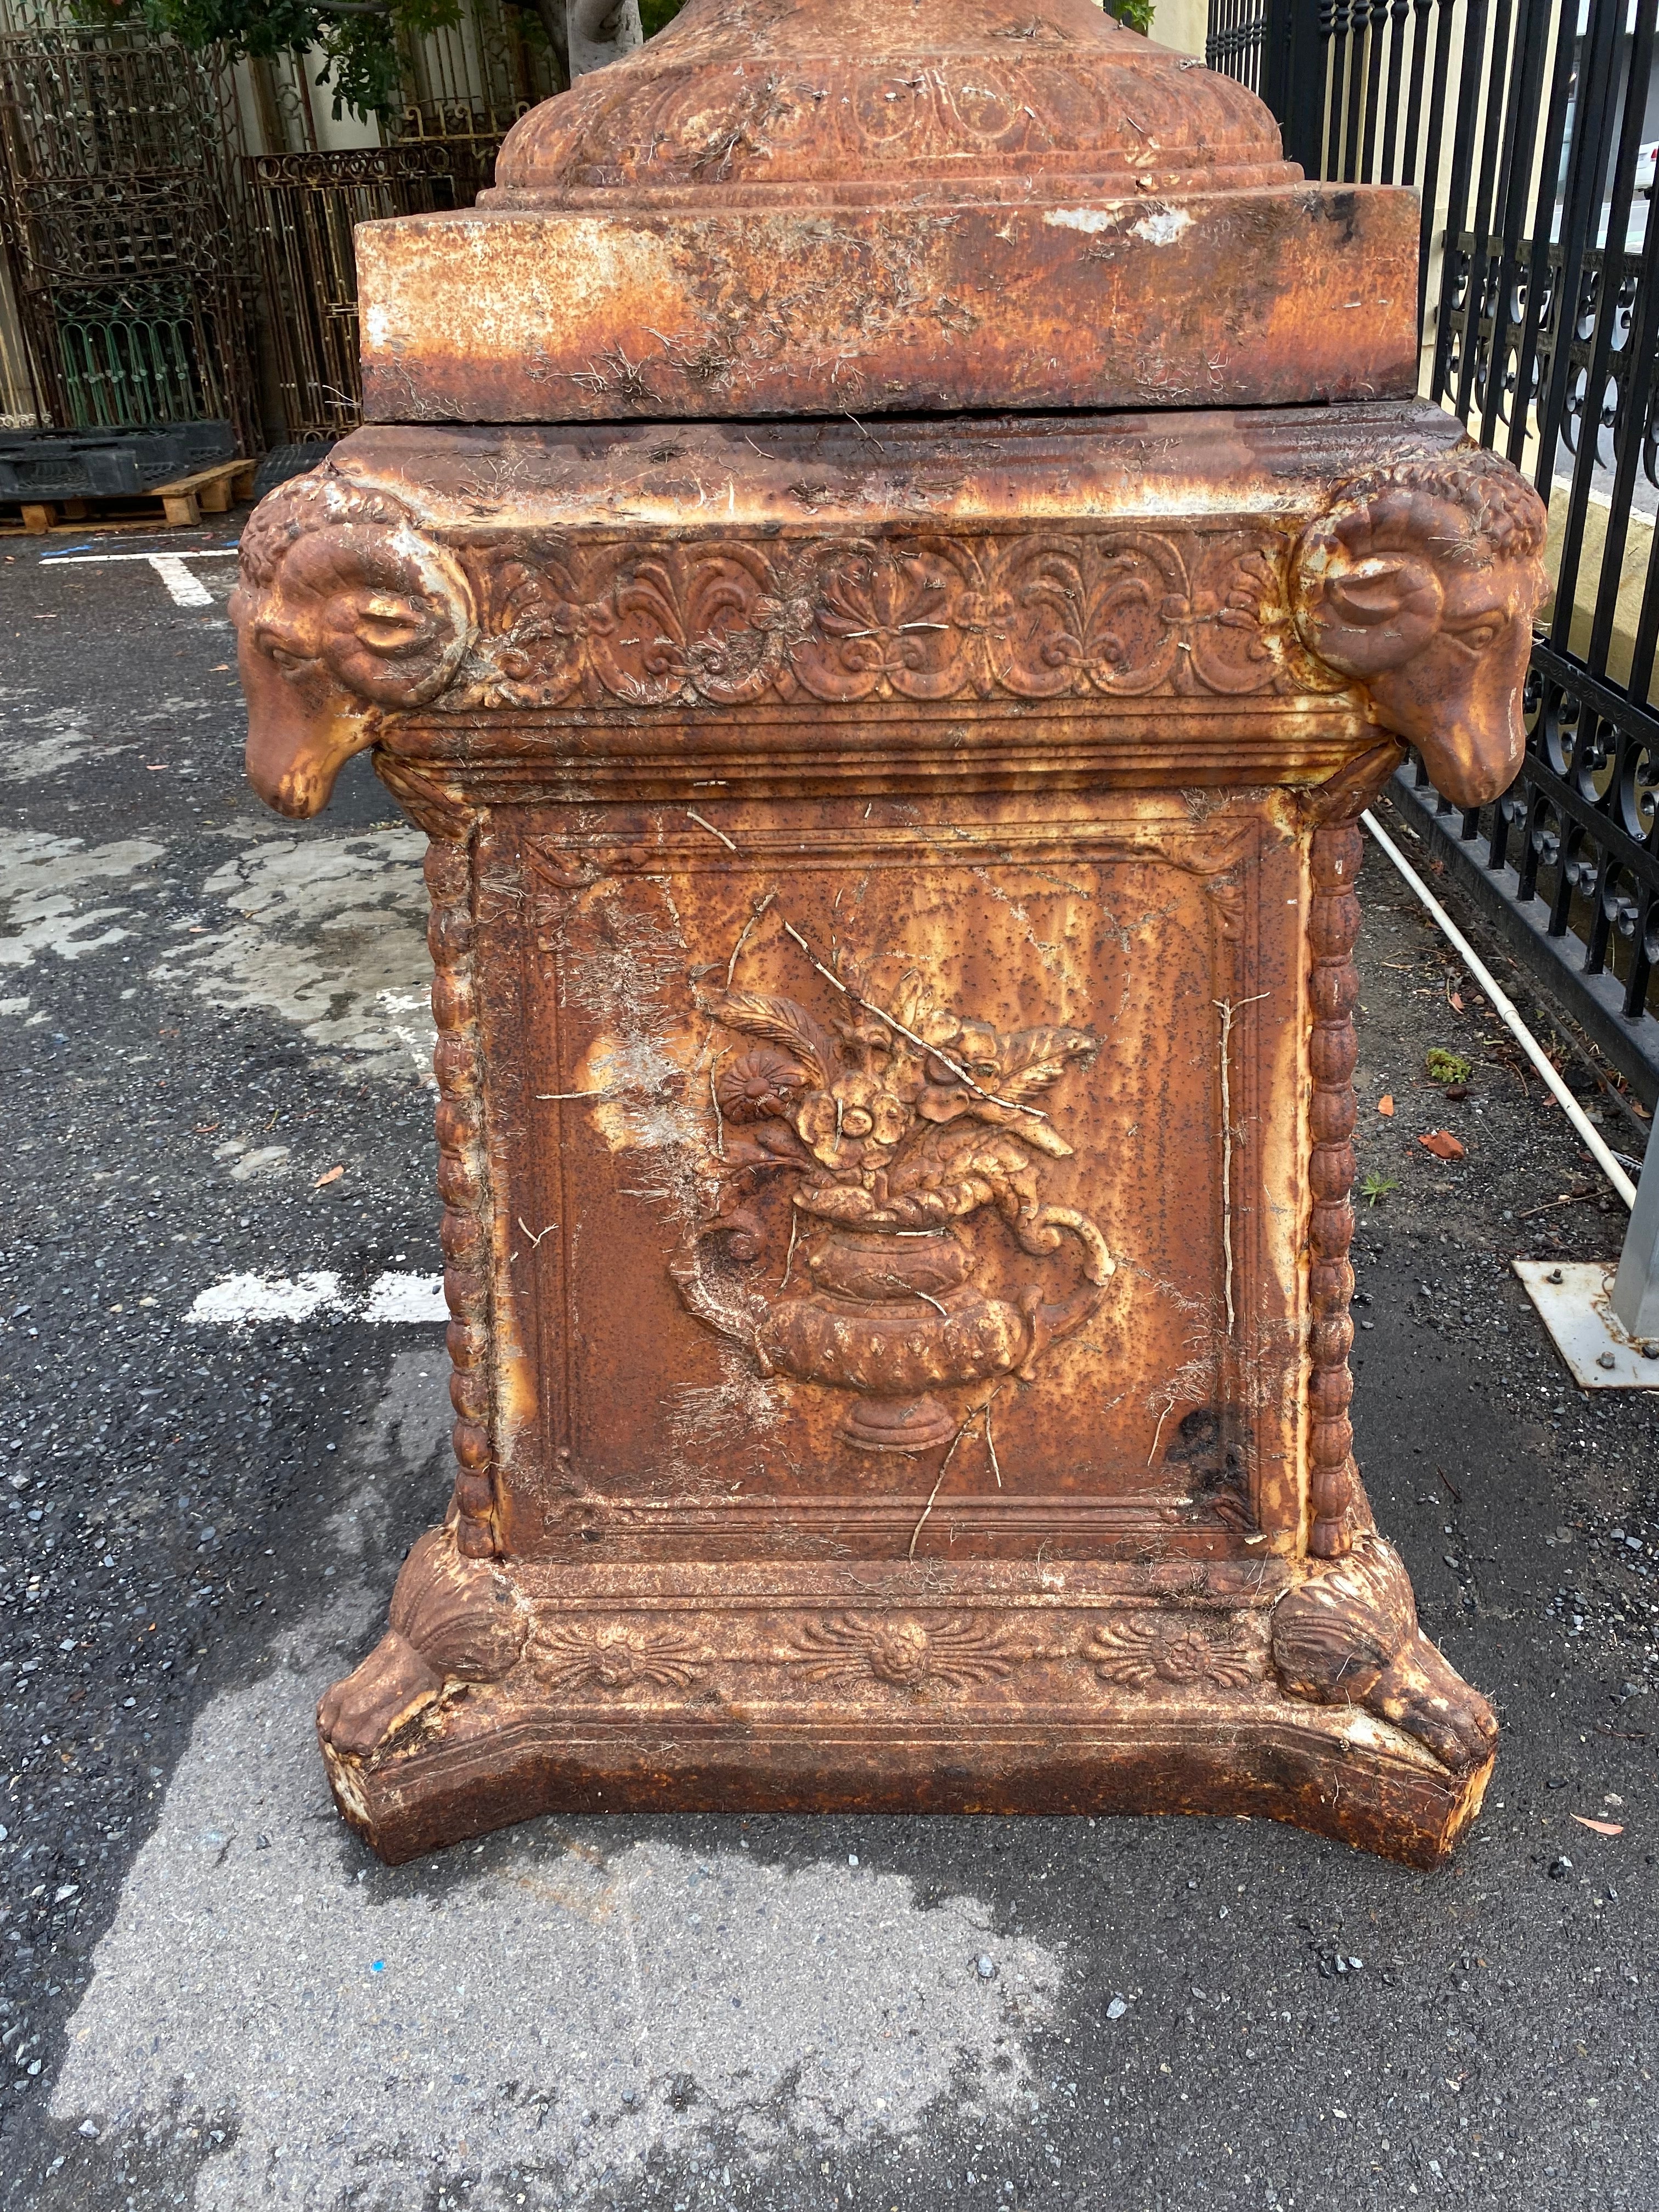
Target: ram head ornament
(345,616)
(1421,583)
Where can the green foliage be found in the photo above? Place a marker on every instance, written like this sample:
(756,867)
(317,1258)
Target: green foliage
(1376,1187)
(1137,14)
(357,38)
(1446,1066)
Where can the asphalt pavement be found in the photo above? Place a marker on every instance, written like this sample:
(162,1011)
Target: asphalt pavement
(210,1996)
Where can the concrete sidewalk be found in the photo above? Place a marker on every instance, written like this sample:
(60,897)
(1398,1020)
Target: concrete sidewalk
(213,1997)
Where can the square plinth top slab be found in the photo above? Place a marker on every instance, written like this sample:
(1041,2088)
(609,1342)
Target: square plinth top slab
(808,207)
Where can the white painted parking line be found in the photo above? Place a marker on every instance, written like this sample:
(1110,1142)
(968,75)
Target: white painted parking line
(405,1298)
(242,1299)
(186,590)
(266,1298)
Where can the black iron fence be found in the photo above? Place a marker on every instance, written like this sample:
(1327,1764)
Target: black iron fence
(1529,128)
(1234,41)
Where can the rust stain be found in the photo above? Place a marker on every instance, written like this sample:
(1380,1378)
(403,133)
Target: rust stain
(894,900)
(773,209)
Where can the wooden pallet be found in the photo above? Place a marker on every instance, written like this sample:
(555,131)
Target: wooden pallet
(182,502)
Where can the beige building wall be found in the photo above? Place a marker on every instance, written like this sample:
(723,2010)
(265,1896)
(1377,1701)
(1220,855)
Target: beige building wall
(16,394)
(1181,24)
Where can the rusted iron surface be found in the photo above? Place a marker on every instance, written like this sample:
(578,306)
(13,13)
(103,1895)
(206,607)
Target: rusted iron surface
(807,206)
(878,102)
(1422,584)
(1051,1688)
(893,911)
(1123,601)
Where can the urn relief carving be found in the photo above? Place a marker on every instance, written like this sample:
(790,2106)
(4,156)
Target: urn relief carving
(891,686)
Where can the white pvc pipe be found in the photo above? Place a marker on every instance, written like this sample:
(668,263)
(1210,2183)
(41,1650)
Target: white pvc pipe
(1506,1013)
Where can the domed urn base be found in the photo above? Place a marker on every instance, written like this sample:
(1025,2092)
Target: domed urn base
(898,1425)
(891,1316)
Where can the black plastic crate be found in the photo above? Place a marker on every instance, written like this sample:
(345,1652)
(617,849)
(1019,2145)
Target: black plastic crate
(45,465)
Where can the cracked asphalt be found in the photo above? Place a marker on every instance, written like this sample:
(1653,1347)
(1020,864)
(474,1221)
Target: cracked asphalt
(211,1996)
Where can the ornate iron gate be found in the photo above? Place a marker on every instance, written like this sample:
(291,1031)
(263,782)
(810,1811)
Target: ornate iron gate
(306,205)
(467,85)
(126,246)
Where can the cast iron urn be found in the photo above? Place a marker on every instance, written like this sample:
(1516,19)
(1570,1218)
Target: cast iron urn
(888,554)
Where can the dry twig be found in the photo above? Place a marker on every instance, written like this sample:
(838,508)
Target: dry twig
(691,816)
(1009,1105)
(1228,1010)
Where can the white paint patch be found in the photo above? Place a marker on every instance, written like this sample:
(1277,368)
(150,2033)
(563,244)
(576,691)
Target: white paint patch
(405,1298)
(40,742)
(409,1018)
(36,745)
(490,2011)
(42,881)
(1084,219)
(328,932)
(239,1299)
(1163,226)
(265,1159)
(242,1299)
(547,2012)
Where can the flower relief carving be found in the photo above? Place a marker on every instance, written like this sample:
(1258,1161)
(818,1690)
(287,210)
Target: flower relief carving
(949,1654)
(1118,610)
(1143,1651)
(618,1660)
(836,1235)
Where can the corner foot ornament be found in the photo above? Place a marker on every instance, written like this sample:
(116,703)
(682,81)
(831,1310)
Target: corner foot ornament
(1421,582)
(1349,1636)
(452,1620)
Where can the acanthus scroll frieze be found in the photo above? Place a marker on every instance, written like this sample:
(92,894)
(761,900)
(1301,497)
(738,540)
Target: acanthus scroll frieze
(1115,611)
(1417,586)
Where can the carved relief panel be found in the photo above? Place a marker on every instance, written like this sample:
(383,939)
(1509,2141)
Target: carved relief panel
(910,1134)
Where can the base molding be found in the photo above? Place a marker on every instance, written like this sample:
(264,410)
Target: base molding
(1300,1691)
(1337,1773)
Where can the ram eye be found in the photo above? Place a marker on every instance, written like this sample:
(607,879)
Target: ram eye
(389,625)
